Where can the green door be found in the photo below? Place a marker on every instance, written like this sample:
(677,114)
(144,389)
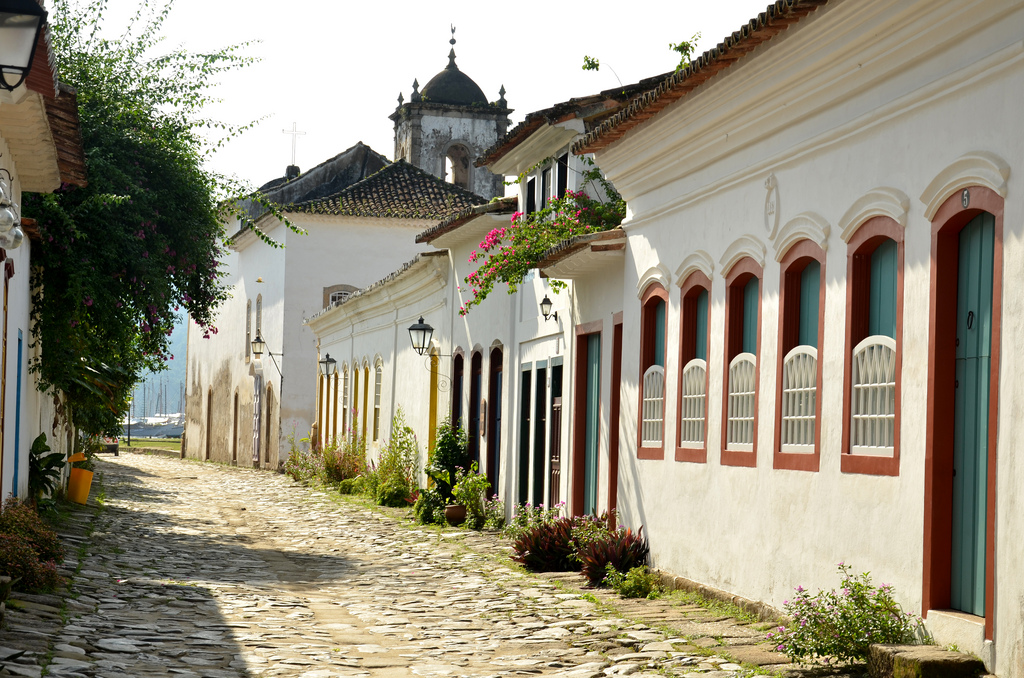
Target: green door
(970,444)
(592,423)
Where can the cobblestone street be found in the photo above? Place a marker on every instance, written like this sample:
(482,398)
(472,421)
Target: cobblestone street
(204,570)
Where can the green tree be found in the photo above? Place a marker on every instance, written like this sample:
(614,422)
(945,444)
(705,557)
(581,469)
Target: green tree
(122,258)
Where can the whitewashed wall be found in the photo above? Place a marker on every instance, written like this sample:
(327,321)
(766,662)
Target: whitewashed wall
(855,97)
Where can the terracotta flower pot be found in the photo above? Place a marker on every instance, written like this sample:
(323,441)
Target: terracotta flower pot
(455,514)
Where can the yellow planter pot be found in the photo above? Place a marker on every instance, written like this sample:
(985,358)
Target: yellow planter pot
(79,485)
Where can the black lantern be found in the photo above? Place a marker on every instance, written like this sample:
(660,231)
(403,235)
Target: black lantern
(328,366)
(20,23)
(258,345)
(545,308)
(420,334)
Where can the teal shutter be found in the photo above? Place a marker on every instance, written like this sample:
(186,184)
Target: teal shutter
(701,327)
(523,484)
(810,284)
(882,304)
(750,299)
(659,334)
(971,408)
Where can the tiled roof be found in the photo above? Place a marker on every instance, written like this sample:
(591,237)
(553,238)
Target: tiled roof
(776,18)
(593,108)
(454,221)
(399,191)
(62,116)
(389,278)
(569,246)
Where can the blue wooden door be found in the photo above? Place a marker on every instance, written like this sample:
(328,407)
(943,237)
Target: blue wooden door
(970,444)
(593,421)
(524,435)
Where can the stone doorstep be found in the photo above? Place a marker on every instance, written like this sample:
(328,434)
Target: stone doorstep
(921,661)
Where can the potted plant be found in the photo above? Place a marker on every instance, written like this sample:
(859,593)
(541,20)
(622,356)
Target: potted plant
(469,492)
(451,452)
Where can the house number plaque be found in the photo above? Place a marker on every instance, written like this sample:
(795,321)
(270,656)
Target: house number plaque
(965,197)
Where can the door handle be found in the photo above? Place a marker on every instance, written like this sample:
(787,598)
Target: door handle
(970,319)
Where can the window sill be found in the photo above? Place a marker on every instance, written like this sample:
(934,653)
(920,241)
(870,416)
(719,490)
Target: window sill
(796,461)
(698,455)
(742,458)
(656,453)
(873,466)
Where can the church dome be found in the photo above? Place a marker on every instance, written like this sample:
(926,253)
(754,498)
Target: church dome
(452,86)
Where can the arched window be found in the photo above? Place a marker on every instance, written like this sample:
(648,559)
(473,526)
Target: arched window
(344,398)
(355,399)
(801,332)
(653,312)
(366,393)
(874,289)
(378,379)
(742,329)
(458,369)
(457,165)
(259,314)
(248,329)
(694,303)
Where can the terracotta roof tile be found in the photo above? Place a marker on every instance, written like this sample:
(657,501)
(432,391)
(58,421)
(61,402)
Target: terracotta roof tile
(62,116)
(776,18)
(507,205)
(399,191)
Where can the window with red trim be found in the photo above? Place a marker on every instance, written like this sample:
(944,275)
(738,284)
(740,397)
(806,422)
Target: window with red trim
(801,332)
(742,331)
(653,313)
(873,339)
(694,304)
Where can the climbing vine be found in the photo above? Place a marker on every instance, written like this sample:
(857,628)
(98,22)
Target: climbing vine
(509,253)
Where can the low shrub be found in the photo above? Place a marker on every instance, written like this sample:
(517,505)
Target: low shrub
(394,479)
(450,453)
(623,549)
(304,463)
(19,561)
(841,624)
(547,547)
(429,507)
(344,458)
(638,582)
(19,519)
(44,469)
(526,517)
(494,513)
(469,490)
(352,485)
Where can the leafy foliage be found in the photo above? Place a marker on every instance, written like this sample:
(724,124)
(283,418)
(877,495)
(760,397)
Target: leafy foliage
(470,488)
(494,513)
(20,519)
(526,516)
(44,468)
(29,549)
(548,547)
(841,624)
(121,257)
(623,549)
(393,480)
(685,49)
(429,507)
(451,452)
(638,582)
(508,254)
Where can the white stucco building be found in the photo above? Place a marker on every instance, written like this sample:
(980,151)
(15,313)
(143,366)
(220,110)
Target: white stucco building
(817,354)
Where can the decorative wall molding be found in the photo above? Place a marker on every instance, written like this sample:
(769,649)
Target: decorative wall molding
(883,201)
(695,261)
(771,206)
(656,274)
(744,246)
(978,168)
(804,226)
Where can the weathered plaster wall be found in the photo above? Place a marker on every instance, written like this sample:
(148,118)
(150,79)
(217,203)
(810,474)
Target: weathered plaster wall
(832,113)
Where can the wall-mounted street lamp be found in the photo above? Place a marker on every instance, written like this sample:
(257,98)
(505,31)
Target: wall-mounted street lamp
(420,333)
(259,346)
(20,23)
(545,309)
(328,366)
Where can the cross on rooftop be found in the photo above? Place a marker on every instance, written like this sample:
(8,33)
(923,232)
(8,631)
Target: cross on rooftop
(294,131)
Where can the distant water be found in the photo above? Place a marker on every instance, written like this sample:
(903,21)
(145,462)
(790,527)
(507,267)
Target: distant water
(155,430)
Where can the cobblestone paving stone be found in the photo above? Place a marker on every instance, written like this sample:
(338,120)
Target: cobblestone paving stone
(210,571)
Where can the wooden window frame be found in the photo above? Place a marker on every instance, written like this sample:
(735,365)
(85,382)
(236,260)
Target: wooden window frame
(949,219)
(735,280)
(248,329)
(378,385)
(654,293)
(689,290)
(862,243)
(792,266)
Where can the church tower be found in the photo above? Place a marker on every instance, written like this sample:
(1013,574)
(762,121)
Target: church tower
(445,127)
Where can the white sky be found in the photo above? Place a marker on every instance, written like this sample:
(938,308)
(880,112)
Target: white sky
(336,67)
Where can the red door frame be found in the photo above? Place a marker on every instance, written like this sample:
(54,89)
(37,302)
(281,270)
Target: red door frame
(579,418)
(950,218)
